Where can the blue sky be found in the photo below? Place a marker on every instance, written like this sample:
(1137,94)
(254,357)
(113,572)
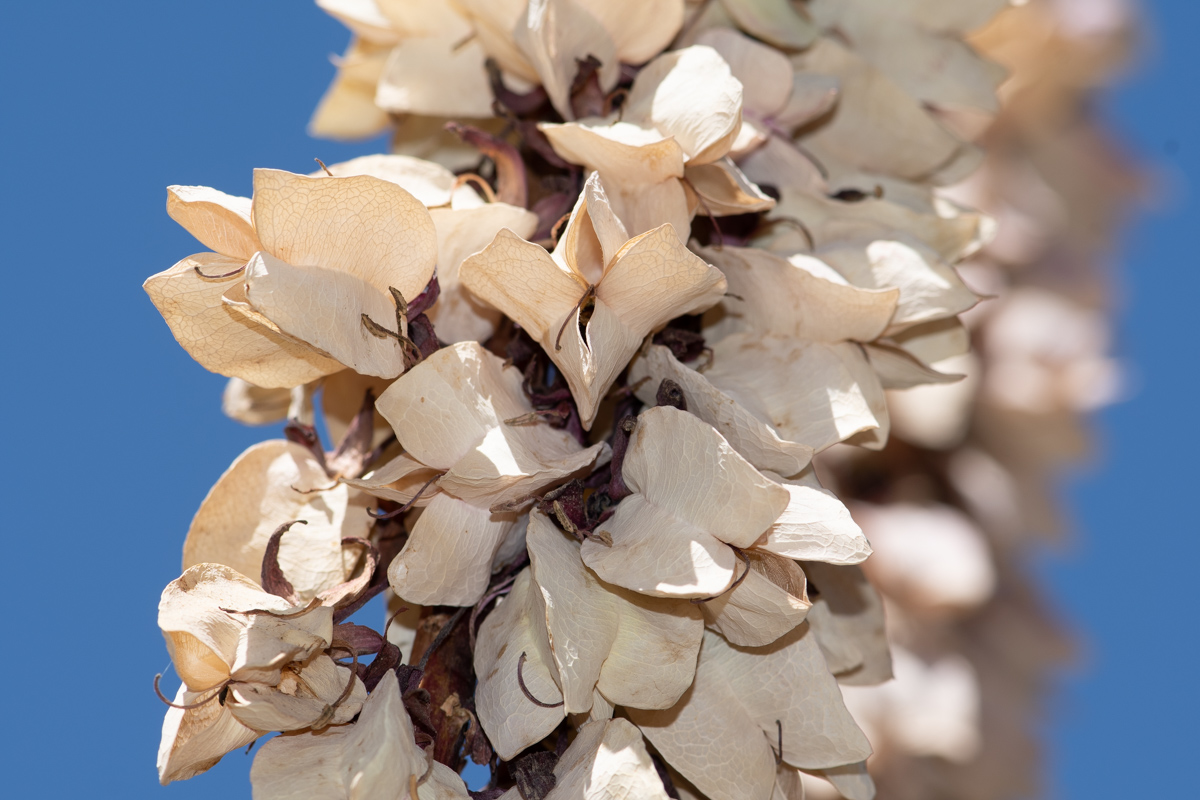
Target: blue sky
(115,434)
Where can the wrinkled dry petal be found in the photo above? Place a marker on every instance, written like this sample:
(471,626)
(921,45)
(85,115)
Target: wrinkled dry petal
(450,413)
(374,757)
(267,486)
(220,221)
(769,602)
(847,619)
(518,625)
(720,735)
(693,494)
(637,651)
(209,644)
(607,761)
(448,557)
(194,740)
(220,338)
(303,698)
(306,226)
(753,438)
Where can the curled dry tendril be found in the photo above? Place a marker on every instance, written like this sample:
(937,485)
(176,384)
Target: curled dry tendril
(229,274)
(391,514)
(217,690)
(525,689)
(588,295)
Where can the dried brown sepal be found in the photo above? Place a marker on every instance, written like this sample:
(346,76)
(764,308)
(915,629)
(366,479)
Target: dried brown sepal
(425,300)
(520,104)
(588,98)
(511,184)
(358,638)
(620,444)
(306,436)
(353,452)
(273,579)
(348,593)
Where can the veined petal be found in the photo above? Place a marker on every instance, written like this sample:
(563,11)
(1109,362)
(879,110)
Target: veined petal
(815,526)
(690,94)
(753,438)
(458,315)
(638,651)
(607,761)
(220,221)
(324,308)
(300,700)
(436,76)
(771,295)
(929,289)
(452,413)
(755,692)
(654,553)
(432,184)
(361,226)
(623,151)
(811,393)
(769,602)
(223,340)
(374,757)
(447,559)
(847,620)
(724,190)
(655,278)
(194,740)
(517,626)
(524,282)
(684,466)
(205,616)
(270,484)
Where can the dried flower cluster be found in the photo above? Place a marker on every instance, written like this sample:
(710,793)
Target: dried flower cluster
(630,267)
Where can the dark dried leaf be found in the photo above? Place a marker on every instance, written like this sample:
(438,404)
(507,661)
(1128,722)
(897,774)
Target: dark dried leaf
(364,640)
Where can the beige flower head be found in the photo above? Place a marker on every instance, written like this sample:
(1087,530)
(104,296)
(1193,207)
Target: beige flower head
(310,276)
